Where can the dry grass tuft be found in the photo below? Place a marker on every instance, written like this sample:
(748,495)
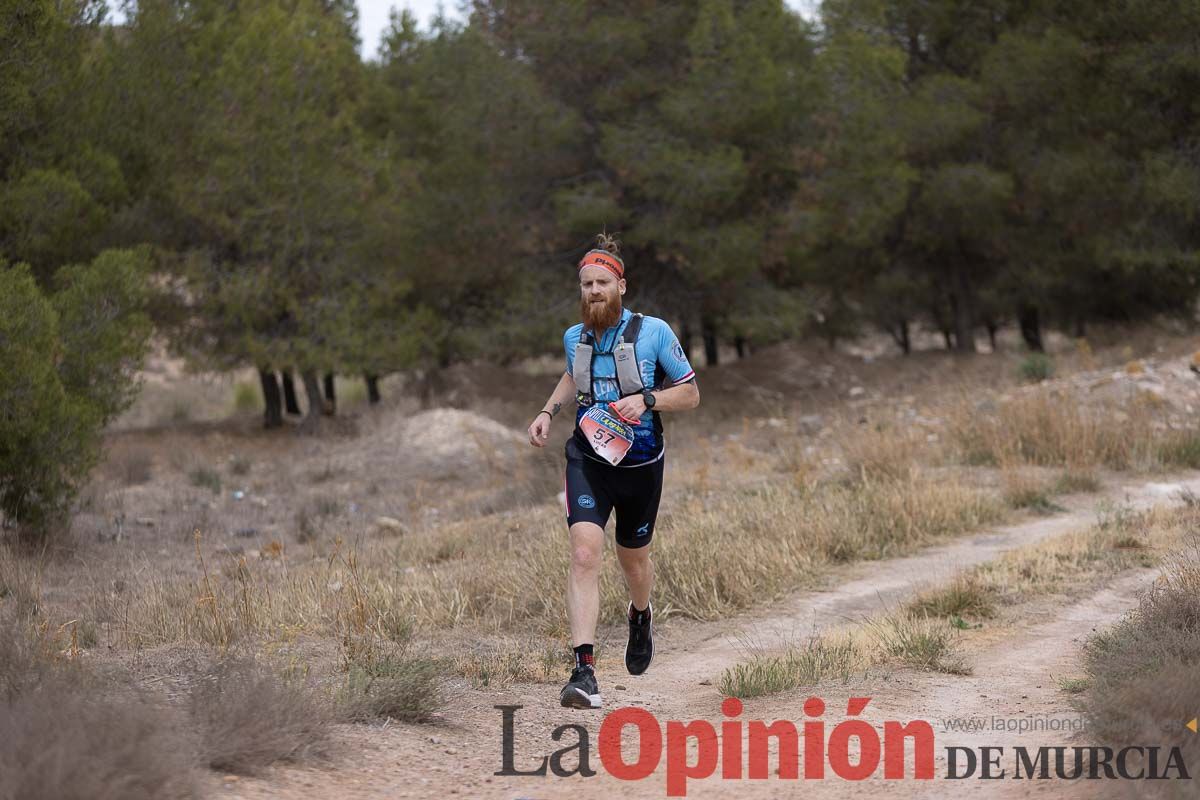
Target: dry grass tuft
(1076,481)
(1023,491)
(390,682)
(896,639)
(20,584)
(1181,448)
(510,660)
(820,660)
(206,478)
(967,596)
(918,642)
(383,677)
(880,452)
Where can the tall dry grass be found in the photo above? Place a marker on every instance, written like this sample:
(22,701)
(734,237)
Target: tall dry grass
(1060,427)
(505,573)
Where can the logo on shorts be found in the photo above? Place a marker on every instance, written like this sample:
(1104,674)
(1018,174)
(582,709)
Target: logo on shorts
(586,501)
(644,529)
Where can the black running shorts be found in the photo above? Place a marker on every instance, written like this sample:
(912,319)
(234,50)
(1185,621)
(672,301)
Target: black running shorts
(594,489)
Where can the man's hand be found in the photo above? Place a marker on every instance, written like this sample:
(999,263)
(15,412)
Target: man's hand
(631,407)
(539,429)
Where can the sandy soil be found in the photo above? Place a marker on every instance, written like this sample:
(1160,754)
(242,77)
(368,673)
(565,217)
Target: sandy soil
(1015,676)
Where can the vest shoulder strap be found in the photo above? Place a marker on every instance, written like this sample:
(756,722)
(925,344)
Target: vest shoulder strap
(630,334)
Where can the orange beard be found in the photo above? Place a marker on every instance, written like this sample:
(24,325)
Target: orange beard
(599,317)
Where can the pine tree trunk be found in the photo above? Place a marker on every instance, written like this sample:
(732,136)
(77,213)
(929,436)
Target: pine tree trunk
(901,335)
(937,313)
(273,408)
(743,347)
(312,390)
(992,327)
(290,403)
(685,339)
(1031,327)
(373,396)
(709,333)
(330,406)
(964,317)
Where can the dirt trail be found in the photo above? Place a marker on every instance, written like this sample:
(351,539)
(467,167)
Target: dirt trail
(1012,678)
(1016,680)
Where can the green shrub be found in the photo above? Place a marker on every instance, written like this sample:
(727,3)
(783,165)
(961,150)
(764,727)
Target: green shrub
(1036,367)
(67,367)
(206,478)
(46,446)
(246,397)
(104,329)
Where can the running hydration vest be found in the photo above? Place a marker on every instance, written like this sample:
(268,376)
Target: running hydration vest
(624,353)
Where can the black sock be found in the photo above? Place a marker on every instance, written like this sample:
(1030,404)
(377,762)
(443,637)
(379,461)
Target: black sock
(584,656)
(636,613)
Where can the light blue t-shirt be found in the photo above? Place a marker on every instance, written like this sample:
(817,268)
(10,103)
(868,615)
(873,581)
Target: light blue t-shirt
(659,356)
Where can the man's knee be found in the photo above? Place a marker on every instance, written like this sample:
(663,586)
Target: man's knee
(587,543)
(634,559)
(585,558)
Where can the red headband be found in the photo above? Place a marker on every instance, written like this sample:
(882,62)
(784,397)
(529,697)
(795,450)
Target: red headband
(603,258)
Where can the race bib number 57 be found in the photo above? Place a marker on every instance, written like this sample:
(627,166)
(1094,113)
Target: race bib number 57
(609,437)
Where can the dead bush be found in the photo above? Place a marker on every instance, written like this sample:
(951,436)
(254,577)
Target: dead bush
(132,467)
(67,735)
(247,718)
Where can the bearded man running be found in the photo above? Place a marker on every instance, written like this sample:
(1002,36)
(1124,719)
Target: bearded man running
(623,369)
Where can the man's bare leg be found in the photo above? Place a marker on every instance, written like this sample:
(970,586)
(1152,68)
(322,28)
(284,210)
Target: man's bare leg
(639,577)
(639,573)
(583,581)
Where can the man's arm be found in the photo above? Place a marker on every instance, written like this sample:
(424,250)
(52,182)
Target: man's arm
(683,397)
(539,429)
(675,398)
(683,394)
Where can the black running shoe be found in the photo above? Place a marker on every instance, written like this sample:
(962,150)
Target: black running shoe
(639,652)
(581,691)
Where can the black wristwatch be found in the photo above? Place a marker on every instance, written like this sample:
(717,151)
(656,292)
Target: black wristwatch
(648,398)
